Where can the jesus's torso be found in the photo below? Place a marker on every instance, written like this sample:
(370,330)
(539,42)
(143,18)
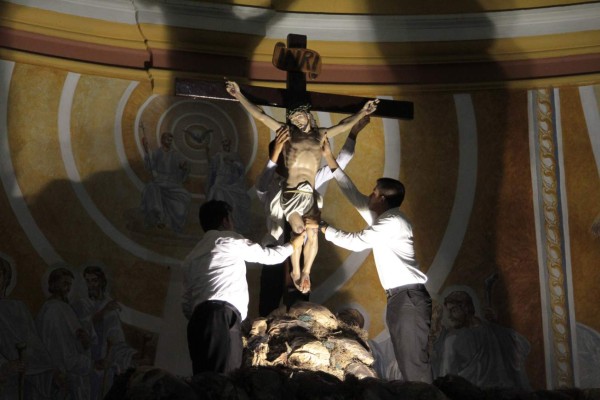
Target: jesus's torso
(302,156)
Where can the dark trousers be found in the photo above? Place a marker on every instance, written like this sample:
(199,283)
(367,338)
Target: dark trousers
(215,338)
(409,319)
(272,279)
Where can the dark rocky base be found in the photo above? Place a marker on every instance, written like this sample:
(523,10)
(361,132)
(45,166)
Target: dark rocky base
(274,383)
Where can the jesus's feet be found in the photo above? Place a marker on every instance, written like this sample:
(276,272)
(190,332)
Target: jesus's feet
(296,280)
(305,283)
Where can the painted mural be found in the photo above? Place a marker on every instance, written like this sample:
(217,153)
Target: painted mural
(102,180)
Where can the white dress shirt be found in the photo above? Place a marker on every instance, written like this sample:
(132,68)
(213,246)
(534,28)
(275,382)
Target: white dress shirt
(216,269)
(389,235)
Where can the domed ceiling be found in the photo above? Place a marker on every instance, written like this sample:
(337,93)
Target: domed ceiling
(359,42)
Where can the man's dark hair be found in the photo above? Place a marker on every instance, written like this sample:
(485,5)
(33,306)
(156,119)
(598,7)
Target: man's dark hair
(212,213)
(99,272)
(393,190)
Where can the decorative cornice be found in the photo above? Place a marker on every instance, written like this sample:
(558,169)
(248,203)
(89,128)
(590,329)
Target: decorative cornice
(269,23)
(73,50)
(224,39)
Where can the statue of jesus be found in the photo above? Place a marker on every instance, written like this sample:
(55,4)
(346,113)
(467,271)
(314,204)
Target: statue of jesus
(302,156)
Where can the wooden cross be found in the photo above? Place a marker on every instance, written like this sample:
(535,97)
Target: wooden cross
(295,92)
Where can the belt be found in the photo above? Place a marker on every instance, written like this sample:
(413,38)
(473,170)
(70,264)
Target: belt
(413,286)
(222,303)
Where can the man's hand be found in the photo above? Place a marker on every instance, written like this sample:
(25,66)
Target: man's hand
(283,135)
(232,88)
(370,107)
(328,155)
(326,148)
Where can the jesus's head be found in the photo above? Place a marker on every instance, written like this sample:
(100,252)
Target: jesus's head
(301,118)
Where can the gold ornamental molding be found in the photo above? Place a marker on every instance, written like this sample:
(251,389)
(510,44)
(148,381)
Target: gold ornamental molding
(554,274)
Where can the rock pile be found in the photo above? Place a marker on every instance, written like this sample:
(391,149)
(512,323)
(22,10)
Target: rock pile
(309,337)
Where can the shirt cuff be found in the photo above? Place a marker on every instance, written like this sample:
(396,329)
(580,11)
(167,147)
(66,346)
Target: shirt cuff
(330,232)
(289,247)
(339,174)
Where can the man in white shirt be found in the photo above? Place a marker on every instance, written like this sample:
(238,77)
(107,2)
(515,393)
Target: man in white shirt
(215,290)
(390,236)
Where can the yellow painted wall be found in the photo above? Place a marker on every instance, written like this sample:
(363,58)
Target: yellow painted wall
(95,217)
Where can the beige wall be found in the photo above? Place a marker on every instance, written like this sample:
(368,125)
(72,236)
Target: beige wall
(72,174)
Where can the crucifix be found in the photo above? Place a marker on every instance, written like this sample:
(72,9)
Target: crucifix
(298,200)
(297,60)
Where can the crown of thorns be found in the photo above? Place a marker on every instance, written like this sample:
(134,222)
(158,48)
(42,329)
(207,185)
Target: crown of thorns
(303,107)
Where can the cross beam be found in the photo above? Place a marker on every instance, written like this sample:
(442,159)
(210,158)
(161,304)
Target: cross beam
(296,92)
(265,96)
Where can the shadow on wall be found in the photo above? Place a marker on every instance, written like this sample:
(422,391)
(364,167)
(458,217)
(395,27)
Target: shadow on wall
(498,240)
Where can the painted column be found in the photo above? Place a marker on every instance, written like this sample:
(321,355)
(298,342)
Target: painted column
(549,200)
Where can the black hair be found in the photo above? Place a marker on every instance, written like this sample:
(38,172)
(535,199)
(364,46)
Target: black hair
(392,190)
(212,213)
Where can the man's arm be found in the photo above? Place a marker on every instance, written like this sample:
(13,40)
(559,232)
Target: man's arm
(264,180)
(346,153)
(356,241)
(266,176)
(358,200)
(254,252)
(325,173)
(234,90)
